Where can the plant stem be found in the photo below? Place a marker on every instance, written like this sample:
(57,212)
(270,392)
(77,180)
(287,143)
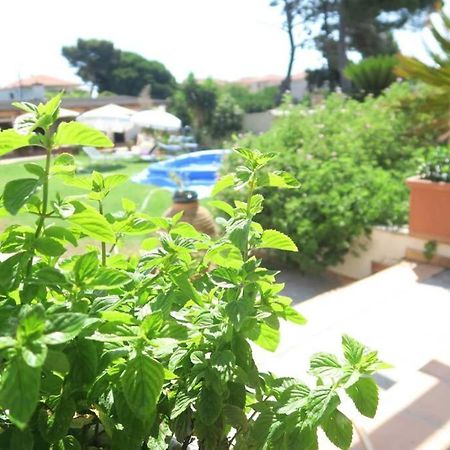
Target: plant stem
(43,212)
(252,186)
(100,210)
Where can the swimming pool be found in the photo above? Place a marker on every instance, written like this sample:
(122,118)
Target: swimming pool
(196,171)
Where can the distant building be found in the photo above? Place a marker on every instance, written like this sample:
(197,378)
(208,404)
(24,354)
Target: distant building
(298,83)
(35,88)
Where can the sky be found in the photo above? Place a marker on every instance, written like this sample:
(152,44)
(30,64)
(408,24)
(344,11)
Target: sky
(224,39)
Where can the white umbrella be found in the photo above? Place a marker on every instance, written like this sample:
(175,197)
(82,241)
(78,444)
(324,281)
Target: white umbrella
(157,119)
(109,118)
(22,122)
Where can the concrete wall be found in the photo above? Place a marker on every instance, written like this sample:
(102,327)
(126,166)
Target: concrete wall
(386,246)
(25,93)
(258,122)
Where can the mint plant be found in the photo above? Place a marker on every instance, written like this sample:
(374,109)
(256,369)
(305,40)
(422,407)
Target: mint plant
(100,350)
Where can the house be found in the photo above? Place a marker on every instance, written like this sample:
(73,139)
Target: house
(35,88)
(298,83)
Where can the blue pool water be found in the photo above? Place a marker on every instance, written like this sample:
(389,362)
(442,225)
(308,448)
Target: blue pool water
(197,171)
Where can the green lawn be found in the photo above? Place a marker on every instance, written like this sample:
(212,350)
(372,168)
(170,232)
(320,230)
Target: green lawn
(150,199)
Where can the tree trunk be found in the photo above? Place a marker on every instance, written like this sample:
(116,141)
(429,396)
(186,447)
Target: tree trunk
(342,48)
(286,83)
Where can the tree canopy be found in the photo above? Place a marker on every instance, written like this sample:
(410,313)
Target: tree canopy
(100,64)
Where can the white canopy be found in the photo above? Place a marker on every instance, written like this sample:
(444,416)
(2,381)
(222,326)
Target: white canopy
(157,119)
(109,118)
(21,122)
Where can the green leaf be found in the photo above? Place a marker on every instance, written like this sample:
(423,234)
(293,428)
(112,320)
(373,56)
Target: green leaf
(353,350)
(35,169)
(209,405)
(364,394)
(182,402)
(325,365)
(67,443)
(235,416)
(63,163)
(223,206)
(339,429)
(292,315)
(86,267)
(22,439)
(11,140)
(142,381)
(277,179)
(107,278)
(323,401)
(76,133)
(185,286)
(111,181)
(31,323)
(225,255)
(49,246)
(61,233)
(275,239)
(49,276)
(63,327)
(268,337)
(19,391)
(224,182)
(34,354)
(94,225)
(17,192)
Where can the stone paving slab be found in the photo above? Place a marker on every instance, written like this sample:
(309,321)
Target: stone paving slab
(404,313)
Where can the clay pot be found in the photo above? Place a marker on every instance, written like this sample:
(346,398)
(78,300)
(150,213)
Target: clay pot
(198,216)
(429,210)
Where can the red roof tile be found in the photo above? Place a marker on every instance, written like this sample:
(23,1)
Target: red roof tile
(44,80)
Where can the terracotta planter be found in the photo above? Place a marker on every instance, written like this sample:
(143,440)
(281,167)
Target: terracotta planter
(429,209)
(193,213)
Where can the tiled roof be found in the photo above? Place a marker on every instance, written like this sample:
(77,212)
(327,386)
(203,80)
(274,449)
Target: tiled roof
(44,80)
(269,79)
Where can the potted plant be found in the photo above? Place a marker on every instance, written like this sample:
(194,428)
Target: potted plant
(429,212)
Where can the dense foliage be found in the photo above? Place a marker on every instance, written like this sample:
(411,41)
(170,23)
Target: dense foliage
(437,76)
(372,75)
(102,65)
(352,158)
(103,351)
(249,101)
(435,164)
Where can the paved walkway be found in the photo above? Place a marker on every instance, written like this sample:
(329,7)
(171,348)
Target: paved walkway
(404,313)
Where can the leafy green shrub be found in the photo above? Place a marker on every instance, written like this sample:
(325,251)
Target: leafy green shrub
(435,165)
(372,75)
(226,118)
(351,158)
(103,351)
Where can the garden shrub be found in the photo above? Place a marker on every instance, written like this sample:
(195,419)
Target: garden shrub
(435,164)
(351,159)
(99,350)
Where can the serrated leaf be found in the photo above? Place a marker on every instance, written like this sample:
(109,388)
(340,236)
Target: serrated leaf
(11,140)
(86,266)
(63,163)
(353,350)
(63,327)
(182,402)
(325,365)
(17,192)
(76,133)
(224,182)
(19,391)
(277,179)
(223,206)
(292,315)
(339,429)
(209,405)
(108,278)
(364,394)
(267,337)
(49,276)
(94,225)
(323,401)
(142,381)
(225,255)
(61,233)
(276,240)
(49,246)
(112,181)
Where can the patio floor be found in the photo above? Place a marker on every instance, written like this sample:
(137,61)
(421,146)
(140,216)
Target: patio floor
(404,313)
